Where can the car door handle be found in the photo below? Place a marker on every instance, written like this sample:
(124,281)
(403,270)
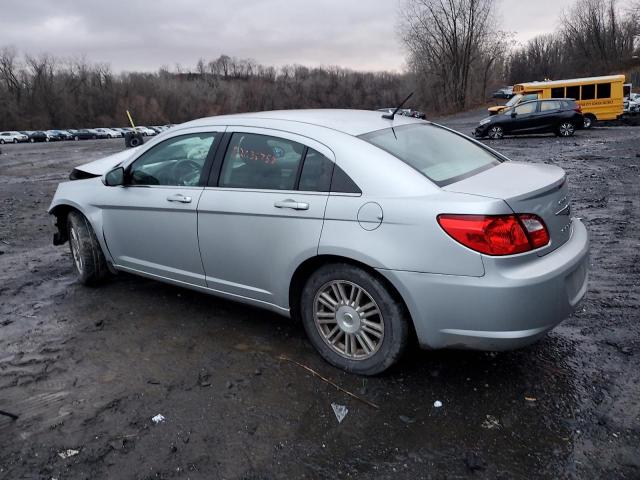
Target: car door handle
(288,203)
(178,197)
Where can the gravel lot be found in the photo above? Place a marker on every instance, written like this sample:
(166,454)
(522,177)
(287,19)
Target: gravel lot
(86,369)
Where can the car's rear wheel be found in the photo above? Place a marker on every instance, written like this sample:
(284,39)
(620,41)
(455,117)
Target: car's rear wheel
(88,259)
(15,140)
(565,129)
(589,120)
(496,132)
(353,320)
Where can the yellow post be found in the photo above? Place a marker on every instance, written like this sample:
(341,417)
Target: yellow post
(131,120)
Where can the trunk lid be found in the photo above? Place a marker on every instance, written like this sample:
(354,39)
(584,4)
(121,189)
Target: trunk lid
(526,188)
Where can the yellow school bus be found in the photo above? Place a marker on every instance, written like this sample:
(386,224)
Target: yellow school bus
(601,98)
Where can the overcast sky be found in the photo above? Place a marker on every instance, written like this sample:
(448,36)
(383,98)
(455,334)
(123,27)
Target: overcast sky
(144,35)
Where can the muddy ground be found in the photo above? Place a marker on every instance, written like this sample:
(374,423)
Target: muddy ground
(87,368)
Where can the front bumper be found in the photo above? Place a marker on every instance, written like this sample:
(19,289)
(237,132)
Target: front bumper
(518,300)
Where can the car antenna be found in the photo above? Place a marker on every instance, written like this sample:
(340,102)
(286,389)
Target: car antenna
(389,116)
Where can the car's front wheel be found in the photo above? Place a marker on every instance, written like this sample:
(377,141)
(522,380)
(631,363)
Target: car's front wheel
(353,320)
(496,132)
(88,259)
(565,129)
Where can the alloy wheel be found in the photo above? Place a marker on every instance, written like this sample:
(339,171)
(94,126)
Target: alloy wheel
(348,319)
(566,129)
(587,122)
(496,132)
(75,250)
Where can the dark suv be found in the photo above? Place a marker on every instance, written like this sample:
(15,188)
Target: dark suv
(561,116)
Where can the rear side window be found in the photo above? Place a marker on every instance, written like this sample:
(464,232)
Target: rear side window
(573,92)
(557,92)
(604,90)
(442,156)
(548,106)
(588,92)
(261,162)
(316,172)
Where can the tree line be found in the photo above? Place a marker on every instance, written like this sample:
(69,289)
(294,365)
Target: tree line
(43,92)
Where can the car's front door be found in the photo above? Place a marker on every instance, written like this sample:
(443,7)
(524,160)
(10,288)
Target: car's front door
(150,223)
(263,211)
(524,118)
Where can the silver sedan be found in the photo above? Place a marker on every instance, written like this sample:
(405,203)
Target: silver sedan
(370,230)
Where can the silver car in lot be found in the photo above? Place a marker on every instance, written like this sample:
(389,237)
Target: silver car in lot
(371,231)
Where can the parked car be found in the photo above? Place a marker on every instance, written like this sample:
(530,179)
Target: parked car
(365,228)
(12,137)
(505,92)
(109,133)
(120,131)
(58,135)
(87,134)
(147,132)
(39,136)
(561,116)
(632,103)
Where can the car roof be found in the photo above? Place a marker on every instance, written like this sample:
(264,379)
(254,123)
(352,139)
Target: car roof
(351,122)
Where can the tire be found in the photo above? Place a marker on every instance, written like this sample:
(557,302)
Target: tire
(1,141)
(565,129)
(589,120)
(495,133)
(76,138)
(135,141)
(15,140)
(88,259)
(371,348)
(32,140)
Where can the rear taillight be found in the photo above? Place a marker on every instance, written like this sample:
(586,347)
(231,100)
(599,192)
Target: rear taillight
(496,234)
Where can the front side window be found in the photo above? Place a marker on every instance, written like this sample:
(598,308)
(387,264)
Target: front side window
(178,161)
(261,162)
(526,108)
(442,156)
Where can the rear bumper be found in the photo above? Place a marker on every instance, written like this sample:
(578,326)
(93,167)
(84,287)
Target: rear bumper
(516,302)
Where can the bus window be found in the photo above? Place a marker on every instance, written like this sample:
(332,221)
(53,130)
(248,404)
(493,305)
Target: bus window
(573,92)
(604,90)
(557,92)
(588,92)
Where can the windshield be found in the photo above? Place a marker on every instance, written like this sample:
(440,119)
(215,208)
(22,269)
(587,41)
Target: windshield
(442,156)
(514,100)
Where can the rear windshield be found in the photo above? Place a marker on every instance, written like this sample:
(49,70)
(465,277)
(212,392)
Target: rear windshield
(442,156)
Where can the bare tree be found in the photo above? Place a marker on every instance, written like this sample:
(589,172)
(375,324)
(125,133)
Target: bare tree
(446,39)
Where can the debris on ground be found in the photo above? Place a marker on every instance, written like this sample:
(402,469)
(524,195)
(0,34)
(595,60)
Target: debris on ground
(406,419)
(9,414)
(333,384)
(530,399)
(159,418)
(491,423)
(204,378)
(437,404)
(340,411)
(68,453)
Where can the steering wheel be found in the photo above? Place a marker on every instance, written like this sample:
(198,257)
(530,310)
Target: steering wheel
(186,173)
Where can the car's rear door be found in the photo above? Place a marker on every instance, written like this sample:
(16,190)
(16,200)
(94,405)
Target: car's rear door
(262,213)
(150,224)
(547,115)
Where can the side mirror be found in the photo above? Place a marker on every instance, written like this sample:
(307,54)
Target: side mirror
(114,178)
